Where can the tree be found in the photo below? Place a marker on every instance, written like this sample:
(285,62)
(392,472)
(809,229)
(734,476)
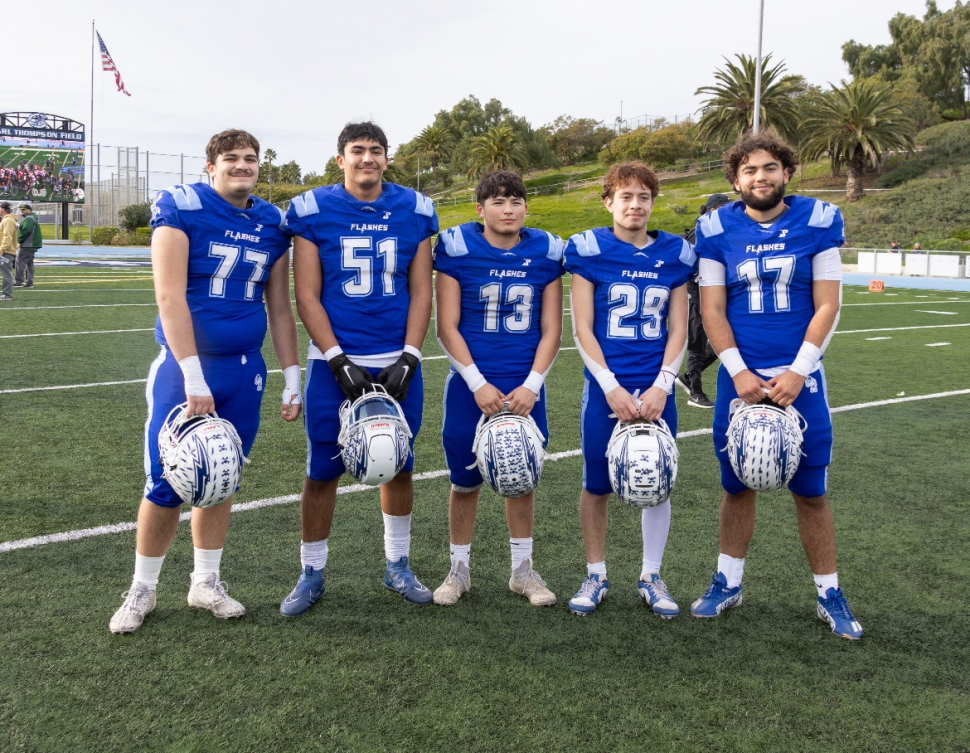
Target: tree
(135,216)
(435,143)
(499,148)
(289,173)
(657,148)
(332,174)
(856,124)
(571,139)
(729,109)
(270,155)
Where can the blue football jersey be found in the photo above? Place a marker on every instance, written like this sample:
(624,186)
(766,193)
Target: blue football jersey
(501,293)
(631,297)
(366,250)
(768,273)
(231,253)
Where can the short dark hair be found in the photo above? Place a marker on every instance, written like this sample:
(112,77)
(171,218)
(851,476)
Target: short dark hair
(765,140)
(500,183)
(367,131)
(227,141)
(633,171)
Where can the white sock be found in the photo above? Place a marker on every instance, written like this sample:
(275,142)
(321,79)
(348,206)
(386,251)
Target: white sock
(732,568)
(521,551)
(824,582)
(314,554)
(461,555)
(596,568)
(147,570)
(207,562)
(397,536)
(655,525)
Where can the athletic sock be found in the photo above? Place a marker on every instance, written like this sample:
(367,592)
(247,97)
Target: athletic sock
(732,568)
(824,582)
(207,563)
(521,551)
(461,555)
(596,568)
(397,536)
(147,570)
(314,554)
(655,526)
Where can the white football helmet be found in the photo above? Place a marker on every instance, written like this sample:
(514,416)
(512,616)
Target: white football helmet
(202,457)
(375,440)
(509,452)
(764,443)
(642,458)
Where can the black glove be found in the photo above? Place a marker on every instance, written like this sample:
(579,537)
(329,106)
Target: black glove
(397,376)
(353,380)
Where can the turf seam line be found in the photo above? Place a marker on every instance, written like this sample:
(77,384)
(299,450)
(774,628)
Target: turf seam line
(85,533)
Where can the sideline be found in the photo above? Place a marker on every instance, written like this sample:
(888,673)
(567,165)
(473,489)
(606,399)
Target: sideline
(86,533)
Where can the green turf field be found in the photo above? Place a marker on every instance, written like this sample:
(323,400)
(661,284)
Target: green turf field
(364,671)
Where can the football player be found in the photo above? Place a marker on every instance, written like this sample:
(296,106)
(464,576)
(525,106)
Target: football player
(629,309)
(771,281)
(215,253)
(362,273)
(498,293)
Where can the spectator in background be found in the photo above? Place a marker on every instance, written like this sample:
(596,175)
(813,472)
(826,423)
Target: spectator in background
(8,249)
(894,247)
(917,246)
(30,241)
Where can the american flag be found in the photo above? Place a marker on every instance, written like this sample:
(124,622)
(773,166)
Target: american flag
(107,64)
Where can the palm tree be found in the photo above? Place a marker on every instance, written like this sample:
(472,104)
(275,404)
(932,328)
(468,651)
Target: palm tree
(435,143)
(856,124)
(729,110)
(499,148)
(270,155)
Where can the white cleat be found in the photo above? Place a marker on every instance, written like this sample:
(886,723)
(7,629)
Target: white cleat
(458,582)
(527,582)
(209,593)
(139,602)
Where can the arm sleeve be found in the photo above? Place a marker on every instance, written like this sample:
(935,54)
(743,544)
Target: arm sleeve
(827,265)
(711,272)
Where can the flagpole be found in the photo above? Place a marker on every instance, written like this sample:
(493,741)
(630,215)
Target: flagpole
(757,75)
(87,162)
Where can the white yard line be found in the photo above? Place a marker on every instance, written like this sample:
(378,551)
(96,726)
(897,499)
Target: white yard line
(91,332)
(947,313)
(899,329)
(905,303)
(80,306)
(86,533)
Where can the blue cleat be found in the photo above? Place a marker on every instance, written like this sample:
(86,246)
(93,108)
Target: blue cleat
(655,595)
(308,589)
(398,577)
(589,596)
(834,609)
(717,598)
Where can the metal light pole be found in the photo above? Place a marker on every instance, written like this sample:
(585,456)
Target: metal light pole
(757,75)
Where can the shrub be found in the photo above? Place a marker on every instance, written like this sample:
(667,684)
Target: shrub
(679,208)
(135,216)
(79,233)
(103,236)
(143,236)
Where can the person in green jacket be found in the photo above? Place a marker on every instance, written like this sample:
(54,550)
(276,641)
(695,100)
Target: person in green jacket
(30,240)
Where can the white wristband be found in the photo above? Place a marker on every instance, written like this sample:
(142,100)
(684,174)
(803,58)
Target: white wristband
(194,380)
(807,359)
(534,382)
(336,350)
(413,351)
(665,380)
(291,393)
(473,377)
(606,380)
(731,358)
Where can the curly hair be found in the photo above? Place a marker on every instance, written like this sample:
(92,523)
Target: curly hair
(227,141)
(633,171)
(765,140)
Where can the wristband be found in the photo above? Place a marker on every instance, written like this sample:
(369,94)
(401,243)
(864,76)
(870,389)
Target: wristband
(195,384)
(333,352)
(413,351)
(665,380)
(606,380)
(291,393)
(534,382)
(807,359)
(473,377)
(732,361)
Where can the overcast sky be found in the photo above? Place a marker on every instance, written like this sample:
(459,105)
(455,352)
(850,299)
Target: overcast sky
(294,73)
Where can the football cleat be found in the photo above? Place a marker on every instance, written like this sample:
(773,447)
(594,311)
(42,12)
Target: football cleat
(209,593)
(509,452)
(717,598)
(308,589)
(642,460)
(201,456)
(834,610)
(458,582)
(655,595)
(398,577)
(589,596)
(375,440)
(764,443)
(526,581)
(139,601)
